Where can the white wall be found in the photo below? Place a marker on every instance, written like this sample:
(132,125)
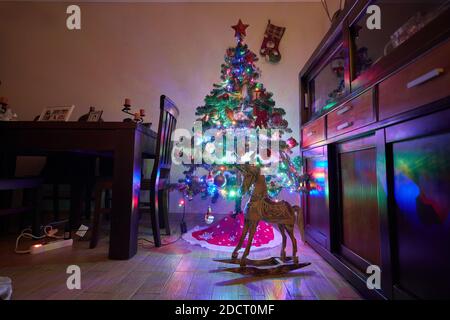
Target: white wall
(142,50)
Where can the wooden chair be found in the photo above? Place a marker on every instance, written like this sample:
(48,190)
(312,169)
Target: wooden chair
(158,183)
(75,171)
(33,185)
(78,173)
(160,178)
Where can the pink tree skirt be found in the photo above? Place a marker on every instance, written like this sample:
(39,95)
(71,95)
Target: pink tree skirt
(225,234)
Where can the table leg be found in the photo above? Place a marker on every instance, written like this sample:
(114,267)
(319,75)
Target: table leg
(125,202)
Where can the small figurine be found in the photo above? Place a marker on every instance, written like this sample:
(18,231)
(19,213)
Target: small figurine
(6,113)
(92,116)
(209,218)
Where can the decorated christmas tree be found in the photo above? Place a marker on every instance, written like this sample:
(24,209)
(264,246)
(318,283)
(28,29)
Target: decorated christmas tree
(240,104)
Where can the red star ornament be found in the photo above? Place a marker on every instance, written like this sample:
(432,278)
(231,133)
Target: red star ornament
(239,29)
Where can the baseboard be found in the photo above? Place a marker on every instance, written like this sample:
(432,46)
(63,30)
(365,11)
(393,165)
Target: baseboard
(355,277)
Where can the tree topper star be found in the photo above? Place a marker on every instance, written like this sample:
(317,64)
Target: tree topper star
(239,29)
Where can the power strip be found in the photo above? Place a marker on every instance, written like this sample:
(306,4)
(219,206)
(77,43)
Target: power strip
(39,248)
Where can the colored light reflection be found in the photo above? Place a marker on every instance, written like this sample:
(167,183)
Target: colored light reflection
(136,186)
(319,176)
(406,192)
(421,181)
(318,185)
(321,164)
(276,290)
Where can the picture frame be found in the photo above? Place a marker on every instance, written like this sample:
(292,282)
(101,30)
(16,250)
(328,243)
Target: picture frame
(62,113)
(95,116)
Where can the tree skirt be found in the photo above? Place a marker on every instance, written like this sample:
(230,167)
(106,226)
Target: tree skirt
(224,235)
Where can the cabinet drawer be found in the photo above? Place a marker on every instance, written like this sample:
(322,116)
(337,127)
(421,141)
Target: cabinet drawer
(313,132)
(422,82)
(352,115)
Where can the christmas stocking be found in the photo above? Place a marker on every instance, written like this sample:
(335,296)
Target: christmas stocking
(271,42)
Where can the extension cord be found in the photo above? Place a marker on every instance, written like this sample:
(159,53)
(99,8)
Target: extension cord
(183,227)
(39,248)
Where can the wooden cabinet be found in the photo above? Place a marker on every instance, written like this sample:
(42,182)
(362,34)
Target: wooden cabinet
(424,81)
(313,133)
(360,233)
(419,166)
(375,141)
(317,214)
(352,115)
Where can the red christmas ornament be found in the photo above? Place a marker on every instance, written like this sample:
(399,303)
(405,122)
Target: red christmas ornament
(261,116)
(291,142)
(239,29)
(250,58)
(277,118)
(220,180)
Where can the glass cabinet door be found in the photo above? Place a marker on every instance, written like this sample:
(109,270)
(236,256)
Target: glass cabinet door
(328,86)
(400,20)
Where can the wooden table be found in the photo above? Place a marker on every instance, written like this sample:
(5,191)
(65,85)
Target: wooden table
(127,143)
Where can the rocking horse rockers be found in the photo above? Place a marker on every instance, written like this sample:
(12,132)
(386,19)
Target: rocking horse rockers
(261,207)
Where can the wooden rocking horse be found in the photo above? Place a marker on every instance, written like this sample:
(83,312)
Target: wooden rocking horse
(261,207)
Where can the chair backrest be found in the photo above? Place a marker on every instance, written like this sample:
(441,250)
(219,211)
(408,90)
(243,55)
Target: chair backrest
(167,124)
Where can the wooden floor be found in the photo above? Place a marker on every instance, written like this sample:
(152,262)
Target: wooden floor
(175,271)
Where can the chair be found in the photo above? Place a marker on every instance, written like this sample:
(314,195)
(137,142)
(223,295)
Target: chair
(158,183)
(160,179)
(34,204)
(76,171)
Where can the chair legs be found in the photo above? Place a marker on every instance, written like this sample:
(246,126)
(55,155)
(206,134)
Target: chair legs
(76,197)
(164,212)
(37,201)
(154,216)
(97,218)
(87,200)
(55,192)
(158,213)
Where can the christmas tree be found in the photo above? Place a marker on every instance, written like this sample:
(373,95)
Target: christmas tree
(239,103)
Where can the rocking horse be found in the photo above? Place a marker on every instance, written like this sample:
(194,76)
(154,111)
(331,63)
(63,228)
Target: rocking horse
(261,207)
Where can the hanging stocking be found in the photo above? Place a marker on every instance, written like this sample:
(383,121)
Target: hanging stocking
(271,42)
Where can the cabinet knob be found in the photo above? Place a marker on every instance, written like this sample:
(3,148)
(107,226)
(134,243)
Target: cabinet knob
(425,77)
(344,125)
(344,110)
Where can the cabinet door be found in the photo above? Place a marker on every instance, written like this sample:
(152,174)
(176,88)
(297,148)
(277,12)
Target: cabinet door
(360,223)
(316,201)
(420,183)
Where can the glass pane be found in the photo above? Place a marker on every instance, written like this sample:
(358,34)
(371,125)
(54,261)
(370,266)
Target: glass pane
(318,216)
(422,210)
(360,219)
(400,19)
(328,86)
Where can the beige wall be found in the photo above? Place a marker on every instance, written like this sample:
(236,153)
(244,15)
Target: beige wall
(142,50)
